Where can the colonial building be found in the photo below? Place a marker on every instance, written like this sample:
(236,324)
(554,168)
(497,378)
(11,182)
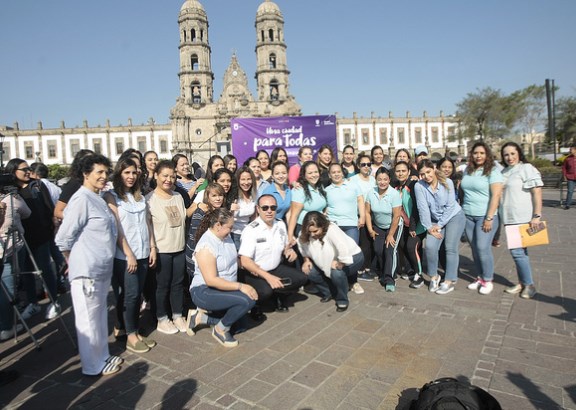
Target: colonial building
(200,123)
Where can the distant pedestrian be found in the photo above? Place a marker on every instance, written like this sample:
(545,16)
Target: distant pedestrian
(569,173)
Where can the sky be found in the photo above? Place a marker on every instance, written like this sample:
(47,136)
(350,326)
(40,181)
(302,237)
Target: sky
(74,60)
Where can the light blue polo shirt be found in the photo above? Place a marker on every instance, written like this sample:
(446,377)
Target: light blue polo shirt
(365,186)
(316,203)
(381,208)
(343,203)
(476,188)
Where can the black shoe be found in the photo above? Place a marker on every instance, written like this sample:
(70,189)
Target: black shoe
(341,308)
(417,282)
(326,299)
(257,315)
(566,207)
(281,305)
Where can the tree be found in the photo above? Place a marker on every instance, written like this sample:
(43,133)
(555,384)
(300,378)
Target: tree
(531,112)
(566,120)
(57,172)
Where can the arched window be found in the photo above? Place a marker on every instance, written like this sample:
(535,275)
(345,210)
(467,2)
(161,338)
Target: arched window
(262,34)
(194,62)
(193,34)
(274,94)
(271,35)
(201,35)
(184,35)
(196,92)
(272,60)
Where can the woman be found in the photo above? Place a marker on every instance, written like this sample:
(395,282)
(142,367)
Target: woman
(304,155)
(331,258)
(87,238)
(279,154)
(224,177)
(482,187)
(135,251)
(413,232)
(231,163)
(447,166)
(348,164)
(168,220)
(254,165)
(280,189)
(444,221)
(366,183)
(384,225)
(184,179)
(377,158)
(521,203)
(245,201)
(39,234)
(310,196)
(214,164)
(150,162)
(264,159)
(325,159)
(403,155)
(215,287)
(213,199)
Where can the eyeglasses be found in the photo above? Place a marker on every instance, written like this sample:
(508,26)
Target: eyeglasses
(27,169)
(366,164)
(265,208)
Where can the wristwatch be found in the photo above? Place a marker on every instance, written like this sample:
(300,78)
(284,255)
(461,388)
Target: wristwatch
(536,216)
(489,218)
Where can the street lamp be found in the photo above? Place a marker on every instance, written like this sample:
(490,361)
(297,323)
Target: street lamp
(2,136)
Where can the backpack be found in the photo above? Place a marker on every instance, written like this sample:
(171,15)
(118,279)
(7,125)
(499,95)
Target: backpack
(449,394)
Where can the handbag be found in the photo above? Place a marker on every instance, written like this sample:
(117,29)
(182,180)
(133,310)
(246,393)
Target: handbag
(523,236)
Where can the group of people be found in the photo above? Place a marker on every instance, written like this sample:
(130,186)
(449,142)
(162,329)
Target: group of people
(205,248)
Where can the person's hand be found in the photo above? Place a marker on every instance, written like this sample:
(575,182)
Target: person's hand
(199,181)
(290,255)
(307,267)
(274,282)
(390,241)
(337,265)
(435,231)
(412,233)
(487,225)
(235,207)
(372,233)
(249,291)
(131,263)
(153,257)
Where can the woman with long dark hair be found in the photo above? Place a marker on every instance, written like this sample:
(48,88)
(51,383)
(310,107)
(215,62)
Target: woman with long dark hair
(324,159)
(279,154)
(246,202)
(348,162)
(264,159)
(150,162)
(280,189)
(305,154)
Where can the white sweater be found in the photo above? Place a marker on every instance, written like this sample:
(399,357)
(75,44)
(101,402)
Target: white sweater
(337,246)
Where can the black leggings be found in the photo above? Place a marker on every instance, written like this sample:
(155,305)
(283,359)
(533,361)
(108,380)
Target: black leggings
(411,248)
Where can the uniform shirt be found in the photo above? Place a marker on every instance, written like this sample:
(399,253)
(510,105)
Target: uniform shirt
(226,258)
(436,208)
(132,216)
(477,193)
(365,186)
(264,244)
(316,202)
(516,206)
(168,217)
(343,203)
(381,207)
(283,203)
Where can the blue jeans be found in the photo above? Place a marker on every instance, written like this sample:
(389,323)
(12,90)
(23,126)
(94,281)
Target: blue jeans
(235,304)
(352,231)
(451,234)
(481,244)
(127,289)
(570,191)
(41,255)
(169,289)
(337,284)
(523,268)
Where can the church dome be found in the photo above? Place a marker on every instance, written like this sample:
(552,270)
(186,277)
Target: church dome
(193,6)
(268,7)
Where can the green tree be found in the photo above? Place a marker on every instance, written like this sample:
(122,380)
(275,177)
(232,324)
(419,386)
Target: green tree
(531,112)
(566,120)
(57,172)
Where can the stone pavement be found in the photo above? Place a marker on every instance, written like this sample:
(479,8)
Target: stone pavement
(373,356)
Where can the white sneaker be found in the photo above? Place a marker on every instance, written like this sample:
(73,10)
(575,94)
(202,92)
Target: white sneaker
(445,288)
(434,284)
(357,289)
(53,310)
(167,327)
(31,310)
(477,284)
(180,324)
(9,334)
(486,288)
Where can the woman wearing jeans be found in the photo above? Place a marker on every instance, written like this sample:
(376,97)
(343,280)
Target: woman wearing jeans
(444,221)
(482,187)
(521,203)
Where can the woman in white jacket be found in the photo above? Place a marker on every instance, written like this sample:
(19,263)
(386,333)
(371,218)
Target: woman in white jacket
(331,258)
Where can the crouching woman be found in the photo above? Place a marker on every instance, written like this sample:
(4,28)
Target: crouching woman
(215,287)
(331,258)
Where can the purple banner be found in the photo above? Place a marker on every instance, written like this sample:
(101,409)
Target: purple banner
(249,135)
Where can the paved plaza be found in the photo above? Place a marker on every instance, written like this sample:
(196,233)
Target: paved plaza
(373,356)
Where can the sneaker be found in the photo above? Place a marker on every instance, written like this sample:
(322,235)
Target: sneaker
(445,288)
(486,288)
(167,327)
(496,243)
(9,334)
(180,324)
(390,287)
(365,276)
(53,310)
(528,292)
(514,289)
(477,284)
(434,284)
(405,276)
(417,281)
(226,340)
(31,310)
(357,289)
(138,347)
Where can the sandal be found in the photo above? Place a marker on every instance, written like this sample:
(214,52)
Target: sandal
(115,360)
(109,369)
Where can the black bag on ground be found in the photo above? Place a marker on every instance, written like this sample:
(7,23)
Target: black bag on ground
(450,394)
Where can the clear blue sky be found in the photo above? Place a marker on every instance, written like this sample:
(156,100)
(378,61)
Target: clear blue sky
(73,60)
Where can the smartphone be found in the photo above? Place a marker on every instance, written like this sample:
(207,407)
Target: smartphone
(286,281)
(533,231)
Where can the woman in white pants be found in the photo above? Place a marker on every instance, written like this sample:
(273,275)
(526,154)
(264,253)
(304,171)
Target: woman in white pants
(87,238)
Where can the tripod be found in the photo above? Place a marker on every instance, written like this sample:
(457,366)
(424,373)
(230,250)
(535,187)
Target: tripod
(14,237)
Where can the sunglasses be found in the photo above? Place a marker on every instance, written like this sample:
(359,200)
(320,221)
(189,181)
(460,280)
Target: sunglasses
(267,207)
(27,169)
(366,164)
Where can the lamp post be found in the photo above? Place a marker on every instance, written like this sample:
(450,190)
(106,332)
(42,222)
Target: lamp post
(2,136)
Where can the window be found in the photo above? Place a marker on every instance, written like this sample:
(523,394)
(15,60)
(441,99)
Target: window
(193,34)
(272,61)
(434,134)
(6,153)
(163,146)
(418,135)
(119,146)
(271,34)
(347,138)
(274,95)
(52,149)
(28,150)
(365,136)
(142,144)
(451,134)
(184,35)
(262,34)
(194,62)
(97,147)
(74,147)
(196,93)
(401,139)
(383,136)
(201,35)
